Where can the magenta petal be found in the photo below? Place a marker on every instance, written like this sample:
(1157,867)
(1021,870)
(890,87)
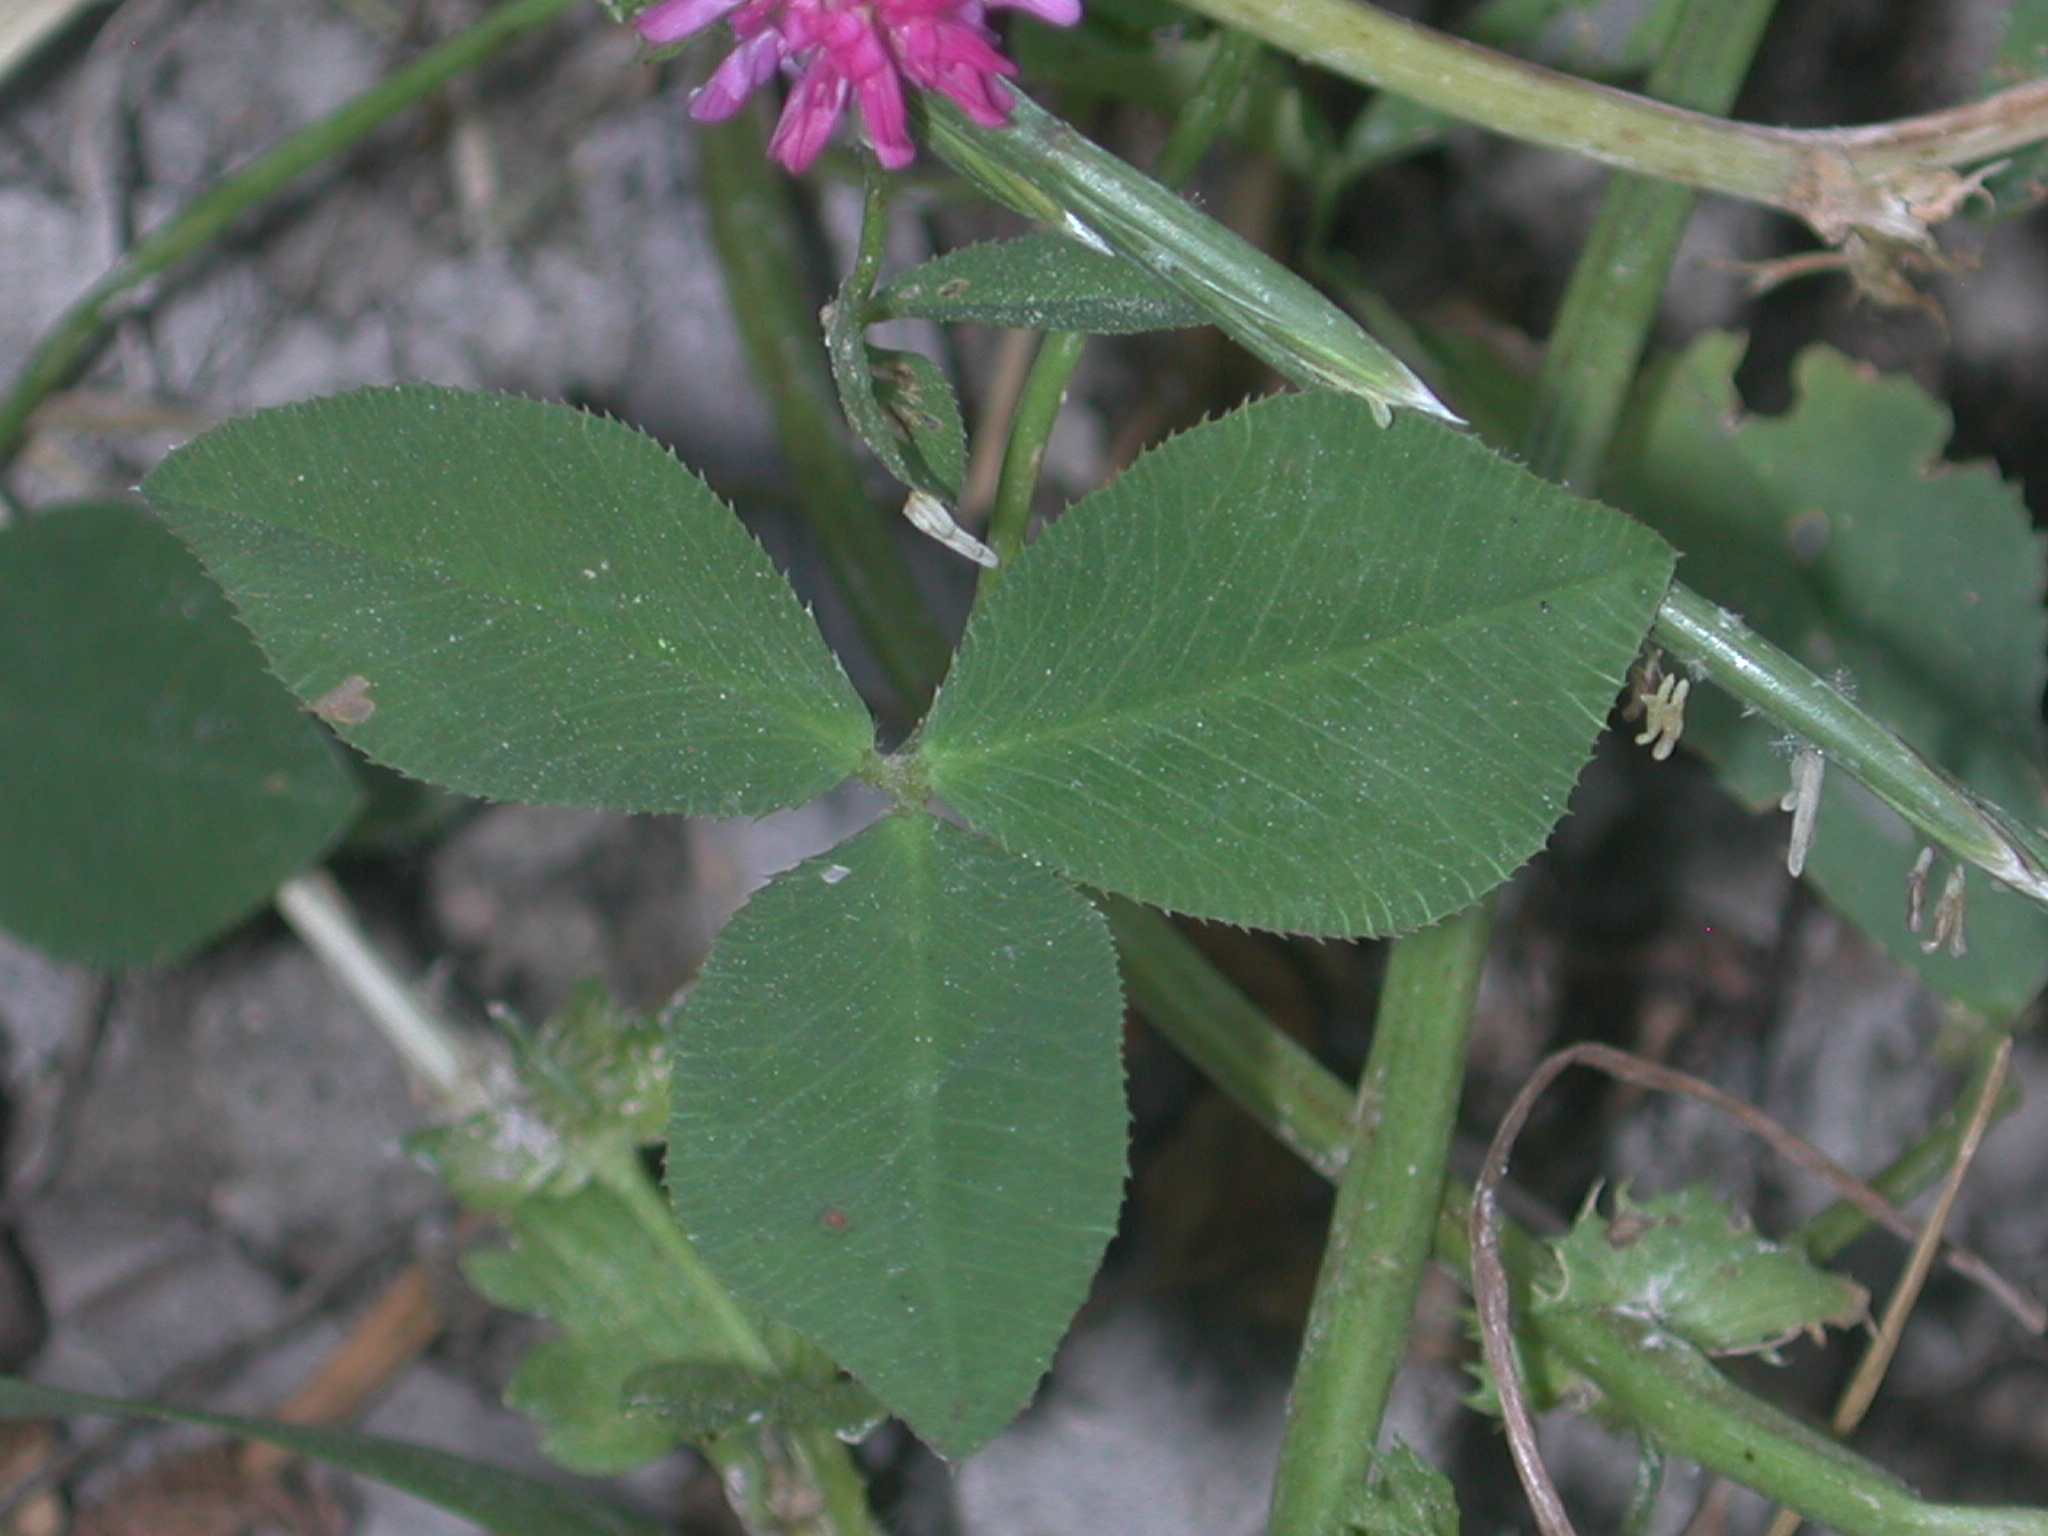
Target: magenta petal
(1060,13)
(881,113)
(982,98)
(808,118)
(673,20)
(749,65)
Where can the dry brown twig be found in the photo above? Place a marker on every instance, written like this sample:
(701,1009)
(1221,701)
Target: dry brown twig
(1877,1359)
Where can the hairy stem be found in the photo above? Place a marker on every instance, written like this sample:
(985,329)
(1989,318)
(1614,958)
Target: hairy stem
(1276,1082)
(325,922)
(1611,303)
(1717,645)
(1038,407)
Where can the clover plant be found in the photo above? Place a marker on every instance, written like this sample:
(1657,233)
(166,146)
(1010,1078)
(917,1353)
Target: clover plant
(1329,663)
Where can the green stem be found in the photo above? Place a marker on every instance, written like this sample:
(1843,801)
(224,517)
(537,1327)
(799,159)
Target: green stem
(1885,179)
(1713,643)
(1611,302)
(69,344)
(1236,1047)
(1385,1219)
(754,228)
(840,1486)
(1201,118)
(1208,107)
(326,924)
(1038,407)
(1673,1392)
(819,1457)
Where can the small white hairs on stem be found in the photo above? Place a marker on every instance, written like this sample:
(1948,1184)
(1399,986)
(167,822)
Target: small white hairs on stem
(1803,801)
(928,515)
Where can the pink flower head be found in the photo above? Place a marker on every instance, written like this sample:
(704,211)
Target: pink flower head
(845,50)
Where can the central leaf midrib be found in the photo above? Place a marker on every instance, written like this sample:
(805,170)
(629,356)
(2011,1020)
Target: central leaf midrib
(1232,687)
(922,856)
(812,723)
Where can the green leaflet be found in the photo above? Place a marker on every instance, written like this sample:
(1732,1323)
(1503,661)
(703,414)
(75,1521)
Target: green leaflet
(584,1262)
(517,600)
(898,1116)
(1298,673)
(1838,532)
(499,1501)
(1041,282)
(916,399)
(1687,1263)
(156,784)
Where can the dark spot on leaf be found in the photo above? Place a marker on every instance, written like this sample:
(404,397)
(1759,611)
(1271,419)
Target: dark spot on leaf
(953,287)
(833,1219)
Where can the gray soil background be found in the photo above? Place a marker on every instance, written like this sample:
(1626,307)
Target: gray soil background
(205,1177)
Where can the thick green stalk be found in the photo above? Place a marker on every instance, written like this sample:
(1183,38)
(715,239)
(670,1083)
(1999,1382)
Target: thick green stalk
(1038,407)
(1384,1222)
(753,226)
(69,345)
(1715,644)
(1673,1392)
(1888,180)
(1611,303)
